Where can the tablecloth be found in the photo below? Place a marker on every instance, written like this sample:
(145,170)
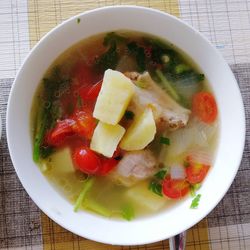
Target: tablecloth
(226,23)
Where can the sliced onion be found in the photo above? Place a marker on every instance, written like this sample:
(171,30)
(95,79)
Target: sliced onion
(200,156)
(177,172)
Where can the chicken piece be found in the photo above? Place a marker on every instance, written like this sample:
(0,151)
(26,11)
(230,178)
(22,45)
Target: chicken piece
(168,114)
(134,166)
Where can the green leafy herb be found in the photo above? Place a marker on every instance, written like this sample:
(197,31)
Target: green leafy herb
(109,59)
(128,212)
(49,111)
(129,115)
(139,54)
(161,174)
(96,207)
(113,38)
(195,201)
(167,85)
(155,187)
(180,68)
(78,20)
(194,188)
(164,140)
(87,185)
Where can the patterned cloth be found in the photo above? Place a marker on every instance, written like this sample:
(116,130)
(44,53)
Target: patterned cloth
(22,23)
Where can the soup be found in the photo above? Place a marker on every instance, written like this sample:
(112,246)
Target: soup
(124,125)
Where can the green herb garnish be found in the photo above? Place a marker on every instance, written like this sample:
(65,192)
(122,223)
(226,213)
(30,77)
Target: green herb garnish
(129,115)
(161,174)
(195,201)
(139,54)
(194,188)
(155,187)
(164,140)
(87,185)
(128,212)
(109,59)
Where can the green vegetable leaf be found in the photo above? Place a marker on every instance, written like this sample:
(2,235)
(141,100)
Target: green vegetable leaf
(155,187)
(164,140)
(161,174)
(87,185)
(139,54)
(128,212)
(194,188)
(109,59)
(195,201)
(167,85)
(113,38)
(129,115)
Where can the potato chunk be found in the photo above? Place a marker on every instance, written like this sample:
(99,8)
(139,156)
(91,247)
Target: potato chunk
(140,133)
(114,97)
(106,138)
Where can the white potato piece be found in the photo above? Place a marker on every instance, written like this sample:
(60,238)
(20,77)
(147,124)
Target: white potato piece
(114,97)
(146,198)
(140,133)
(106,137)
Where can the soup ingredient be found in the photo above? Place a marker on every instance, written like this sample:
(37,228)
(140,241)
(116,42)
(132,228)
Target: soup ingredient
(204,107)
(49,110)
(164,140)
(175,188)
(128,212)
(106,138)
(155,187)
(90,92)
(87,185)
(85,123)
(134,166)
(177,172)
(195,201)
(114,97)
(96,207)
(86,160)
(140,133)
(142,196)
(62,130)
(168,114)
(196,171)
(167,85)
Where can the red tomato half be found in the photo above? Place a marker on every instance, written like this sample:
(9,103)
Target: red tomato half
(175,188)
(85,123)
(107,166)
(196,172)
(204,107)
(86,160)
(62,130)
(91,92)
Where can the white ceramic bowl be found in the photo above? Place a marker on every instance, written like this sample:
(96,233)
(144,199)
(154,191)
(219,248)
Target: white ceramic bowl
(232,125)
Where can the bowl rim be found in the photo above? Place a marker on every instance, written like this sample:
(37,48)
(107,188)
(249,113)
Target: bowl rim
(36,199)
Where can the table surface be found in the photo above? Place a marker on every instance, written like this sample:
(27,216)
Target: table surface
(23,22)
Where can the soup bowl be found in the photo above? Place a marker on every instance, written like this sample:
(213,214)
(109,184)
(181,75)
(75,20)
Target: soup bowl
(231,119)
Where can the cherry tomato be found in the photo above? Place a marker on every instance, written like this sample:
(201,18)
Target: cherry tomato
(107,166)
(196,172)
(62,130)
(175,188)
(83,74)
(86,160)
(91,92)
(204,107)
(85,123)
